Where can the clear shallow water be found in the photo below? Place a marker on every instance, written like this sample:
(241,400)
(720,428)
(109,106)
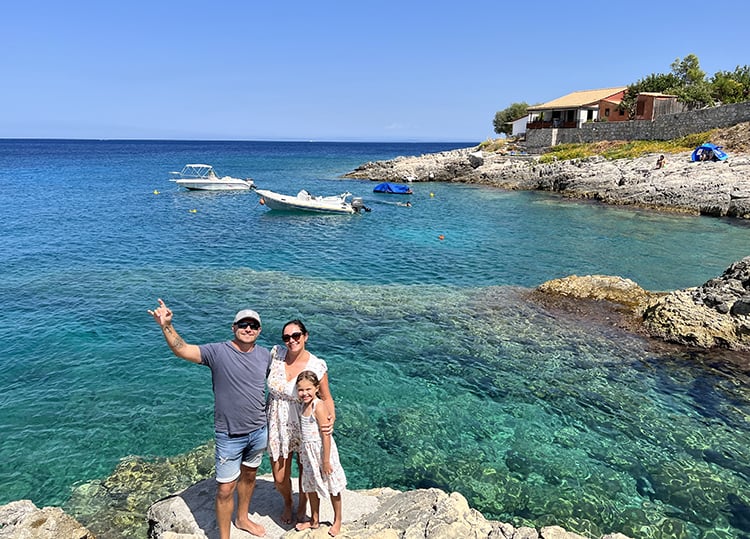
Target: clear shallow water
(444,373)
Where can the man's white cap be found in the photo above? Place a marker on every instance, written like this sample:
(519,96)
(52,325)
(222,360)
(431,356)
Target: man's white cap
(246,313)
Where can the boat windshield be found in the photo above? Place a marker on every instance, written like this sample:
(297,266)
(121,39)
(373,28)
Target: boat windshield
(198,171)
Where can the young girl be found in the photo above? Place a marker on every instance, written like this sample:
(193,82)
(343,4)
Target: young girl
(322,474)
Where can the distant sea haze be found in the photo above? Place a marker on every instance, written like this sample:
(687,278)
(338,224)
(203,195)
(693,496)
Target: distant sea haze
(444,372)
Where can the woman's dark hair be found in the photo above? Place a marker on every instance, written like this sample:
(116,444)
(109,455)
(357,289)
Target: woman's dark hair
(297,323)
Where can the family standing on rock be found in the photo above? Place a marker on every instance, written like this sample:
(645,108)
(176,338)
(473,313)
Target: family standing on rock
(246,425)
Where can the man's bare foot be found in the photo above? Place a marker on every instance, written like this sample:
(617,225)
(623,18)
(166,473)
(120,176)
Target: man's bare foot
(250,527)
(286,516)
(307,526)
(334,530)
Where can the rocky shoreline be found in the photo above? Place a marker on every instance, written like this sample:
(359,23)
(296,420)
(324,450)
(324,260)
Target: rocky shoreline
(720,189)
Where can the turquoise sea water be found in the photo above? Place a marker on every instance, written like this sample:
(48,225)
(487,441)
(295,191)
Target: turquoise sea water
(444,372)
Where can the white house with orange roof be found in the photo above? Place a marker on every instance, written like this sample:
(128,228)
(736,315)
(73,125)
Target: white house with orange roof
(575,109)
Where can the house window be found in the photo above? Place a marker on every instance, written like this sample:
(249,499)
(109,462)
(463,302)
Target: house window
(606,113)
(622,112)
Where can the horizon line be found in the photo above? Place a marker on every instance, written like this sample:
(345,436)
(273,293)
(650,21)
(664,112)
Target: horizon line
(364,141)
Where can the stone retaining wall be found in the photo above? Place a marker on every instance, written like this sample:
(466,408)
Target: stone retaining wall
(665,127)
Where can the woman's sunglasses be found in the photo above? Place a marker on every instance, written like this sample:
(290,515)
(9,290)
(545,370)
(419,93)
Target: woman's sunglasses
(297,335)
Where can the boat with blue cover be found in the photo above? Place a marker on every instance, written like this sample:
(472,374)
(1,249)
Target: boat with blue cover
(394,188)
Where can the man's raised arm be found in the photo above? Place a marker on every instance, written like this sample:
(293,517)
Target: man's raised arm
(163,316)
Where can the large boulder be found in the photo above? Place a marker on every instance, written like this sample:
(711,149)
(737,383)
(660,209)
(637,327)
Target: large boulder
(716,314)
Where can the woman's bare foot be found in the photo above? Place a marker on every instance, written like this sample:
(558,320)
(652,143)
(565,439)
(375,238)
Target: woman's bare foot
(250,527)
(302,511)
(307,526)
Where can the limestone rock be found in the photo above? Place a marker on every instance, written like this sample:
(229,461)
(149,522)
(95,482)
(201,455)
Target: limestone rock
(423,513)
(599,287)
(556,532)
(24,520)
(375,514)
(716,314)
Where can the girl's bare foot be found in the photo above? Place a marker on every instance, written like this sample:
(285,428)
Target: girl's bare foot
(307,526)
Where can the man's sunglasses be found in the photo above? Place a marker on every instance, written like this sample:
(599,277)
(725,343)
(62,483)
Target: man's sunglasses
(252,324)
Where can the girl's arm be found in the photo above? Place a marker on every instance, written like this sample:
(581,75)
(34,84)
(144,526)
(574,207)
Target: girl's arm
(321,414)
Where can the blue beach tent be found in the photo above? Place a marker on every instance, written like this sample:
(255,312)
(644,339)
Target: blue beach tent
(708,152)
(395,188)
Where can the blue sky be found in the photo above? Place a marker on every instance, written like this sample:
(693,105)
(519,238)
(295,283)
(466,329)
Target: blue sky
(324,70)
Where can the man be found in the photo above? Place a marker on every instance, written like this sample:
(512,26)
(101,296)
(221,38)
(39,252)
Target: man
(238,370)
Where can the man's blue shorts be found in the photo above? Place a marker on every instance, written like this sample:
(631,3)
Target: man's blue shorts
(234,450)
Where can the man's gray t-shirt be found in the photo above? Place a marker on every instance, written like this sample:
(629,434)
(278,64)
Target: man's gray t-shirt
(239,383)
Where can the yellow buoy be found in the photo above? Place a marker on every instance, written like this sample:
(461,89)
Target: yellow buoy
(193,211)
(432,194)
(156,192)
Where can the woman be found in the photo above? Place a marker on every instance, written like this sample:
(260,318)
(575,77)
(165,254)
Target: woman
(284,407)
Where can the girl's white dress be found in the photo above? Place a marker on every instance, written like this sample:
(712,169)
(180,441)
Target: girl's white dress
(284,406)
(311,454)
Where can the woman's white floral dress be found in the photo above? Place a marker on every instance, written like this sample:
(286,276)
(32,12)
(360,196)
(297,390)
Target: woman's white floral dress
(284,406)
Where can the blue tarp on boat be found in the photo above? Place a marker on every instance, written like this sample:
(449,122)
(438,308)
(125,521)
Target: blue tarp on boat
(708,152)
(395,188)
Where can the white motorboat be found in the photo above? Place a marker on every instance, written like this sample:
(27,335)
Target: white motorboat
(199,177)
(304,201)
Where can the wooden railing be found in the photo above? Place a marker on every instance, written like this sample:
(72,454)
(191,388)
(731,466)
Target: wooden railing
(548,125)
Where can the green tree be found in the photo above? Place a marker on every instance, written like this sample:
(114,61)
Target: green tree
(688,71)
(731,87)
(693,90)
(503,117)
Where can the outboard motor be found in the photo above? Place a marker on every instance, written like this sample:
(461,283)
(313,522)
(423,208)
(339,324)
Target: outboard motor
(359,205)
